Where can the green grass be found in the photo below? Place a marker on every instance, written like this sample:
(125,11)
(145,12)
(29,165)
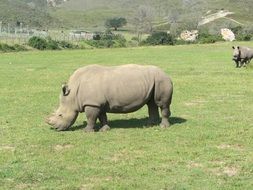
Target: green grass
(209,145)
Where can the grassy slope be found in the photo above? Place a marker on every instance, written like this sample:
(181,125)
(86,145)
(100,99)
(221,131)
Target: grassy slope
(13,11)
(209,145)
(93,13)
(90,13)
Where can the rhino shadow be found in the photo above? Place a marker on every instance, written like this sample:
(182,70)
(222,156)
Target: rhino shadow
(130,123)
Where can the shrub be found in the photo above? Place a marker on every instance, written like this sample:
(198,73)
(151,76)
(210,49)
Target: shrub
(49,43)
(205,38)
(108,40)
(19,47)
(159,38)
(9,48)
(242,34)
(6,48)
(97,37)
(52,44)
(66,45)
(37,43)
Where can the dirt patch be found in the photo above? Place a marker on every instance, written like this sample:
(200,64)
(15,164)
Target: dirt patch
(195,103)
(86,187)
(193,164)
(22,186)
(59,147)
(230,171)
(92,181)
(8,148)
(228,146)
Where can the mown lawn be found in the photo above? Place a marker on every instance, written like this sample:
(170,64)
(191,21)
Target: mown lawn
(209,145)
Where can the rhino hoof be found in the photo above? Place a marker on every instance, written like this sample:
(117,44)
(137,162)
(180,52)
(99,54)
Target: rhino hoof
(165,125)
(88,129)
(104,128)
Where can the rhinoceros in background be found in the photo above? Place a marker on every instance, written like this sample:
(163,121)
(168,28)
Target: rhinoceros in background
(242,55)
(97,90)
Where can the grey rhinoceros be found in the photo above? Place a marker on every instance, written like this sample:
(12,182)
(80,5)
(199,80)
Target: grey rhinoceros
(97,90)
(242,55)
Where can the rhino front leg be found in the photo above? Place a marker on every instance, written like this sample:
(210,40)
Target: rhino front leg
(237,64)
(165,112)
(103,120)
(153,113)
(92,114)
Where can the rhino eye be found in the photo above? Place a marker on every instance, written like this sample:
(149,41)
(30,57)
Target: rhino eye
(60,115)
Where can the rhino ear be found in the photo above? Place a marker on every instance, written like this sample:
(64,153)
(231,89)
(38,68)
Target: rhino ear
(65,90)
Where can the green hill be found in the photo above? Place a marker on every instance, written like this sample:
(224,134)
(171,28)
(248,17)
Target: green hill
(93,13)
(31,13)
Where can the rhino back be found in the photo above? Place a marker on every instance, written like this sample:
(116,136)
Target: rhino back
(246,53)
(117,89)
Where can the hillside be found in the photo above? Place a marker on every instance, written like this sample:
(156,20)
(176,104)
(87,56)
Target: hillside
(29,12)
(93,13)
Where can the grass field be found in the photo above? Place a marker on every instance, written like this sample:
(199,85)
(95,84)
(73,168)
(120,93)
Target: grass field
(209,145)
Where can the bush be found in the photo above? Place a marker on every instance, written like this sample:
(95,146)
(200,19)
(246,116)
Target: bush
(66,45)
(49,44)
(37,43)
(159,38)
(19,47)
(52,44)
(108,40)
(9,48)
(205,38)
(6,48)
(242,34)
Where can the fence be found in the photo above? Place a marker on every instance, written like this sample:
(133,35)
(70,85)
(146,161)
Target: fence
(22,35)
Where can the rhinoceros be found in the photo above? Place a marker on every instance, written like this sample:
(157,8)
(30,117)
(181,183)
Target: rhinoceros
(97,90)
(242,55)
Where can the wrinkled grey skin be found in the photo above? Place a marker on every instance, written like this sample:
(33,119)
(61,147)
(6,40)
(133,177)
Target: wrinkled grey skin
(97,90)
(242,55)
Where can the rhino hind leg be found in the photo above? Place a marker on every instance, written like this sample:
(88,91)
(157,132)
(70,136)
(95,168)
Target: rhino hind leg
(92,114)
(165,112)
(153,113)
(104,122)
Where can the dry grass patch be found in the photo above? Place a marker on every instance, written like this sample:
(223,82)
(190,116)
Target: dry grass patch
(59,147)
(7,148)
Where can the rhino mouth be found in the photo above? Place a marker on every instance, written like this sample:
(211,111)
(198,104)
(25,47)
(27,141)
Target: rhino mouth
(54,126)
(236,59)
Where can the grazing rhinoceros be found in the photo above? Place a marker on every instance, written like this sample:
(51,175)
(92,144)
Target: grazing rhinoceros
(97,90)
(242,55)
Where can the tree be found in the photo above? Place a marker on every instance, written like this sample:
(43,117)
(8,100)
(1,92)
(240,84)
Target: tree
(115,23)
(143,20)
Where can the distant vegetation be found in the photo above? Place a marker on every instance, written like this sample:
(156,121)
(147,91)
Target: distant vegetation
(94,13)
(33,14)
(115,22)
(135,22)
(11,48)
(49,44)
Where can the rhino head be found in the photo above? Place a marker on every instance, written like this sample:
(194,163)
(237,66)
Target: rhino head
(65,115)
(236,53)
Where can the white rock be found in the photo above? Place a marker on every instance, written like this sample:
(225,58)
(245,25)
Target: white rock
(227,34)
(189,35)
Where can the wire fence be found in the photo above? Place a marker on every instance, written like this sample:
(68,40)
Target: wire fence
(21,36)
